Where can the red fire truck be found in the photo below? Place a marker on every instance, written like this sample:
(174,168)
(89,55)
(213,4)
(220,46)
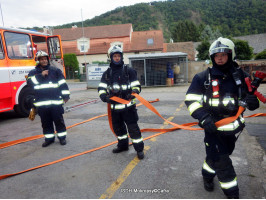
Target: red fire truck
(17,57)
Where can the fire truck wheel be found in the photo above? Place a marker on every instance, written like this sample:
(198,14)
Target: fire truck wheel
(25,98)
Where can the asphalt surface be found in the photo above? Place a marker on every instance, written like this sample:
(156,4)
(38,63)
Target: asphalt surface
(171,168)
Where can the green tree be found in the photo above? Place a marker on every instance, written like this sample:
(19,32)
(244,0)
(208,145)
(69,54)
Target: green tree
(71,61)
(184,31)
(209,34)
(203,50)
(261,55)
(243,50)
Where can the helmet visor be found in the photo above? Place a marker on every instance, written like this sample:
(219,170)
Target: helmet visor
(220,50)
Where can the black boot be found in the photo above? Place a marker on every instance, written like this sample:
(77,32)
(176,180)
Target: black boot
(118,149)
(208,184)
(47,143)
(62,141)
(140,155)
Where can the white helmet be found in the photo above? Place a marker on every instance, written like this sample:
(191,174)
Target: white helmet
(222,45)
(114,49)
(41,54)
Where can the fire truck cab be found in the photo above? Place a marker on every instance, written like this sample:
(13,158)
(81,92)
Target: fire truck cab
(17,57)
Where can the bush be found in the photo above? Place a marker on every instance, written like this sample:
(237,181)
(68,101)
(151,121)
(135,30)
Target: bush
(261,55)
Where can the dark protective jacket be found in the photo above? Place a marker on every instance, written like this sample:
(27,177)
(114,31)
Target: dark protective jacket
(201,100)
(49,90)
(119,81)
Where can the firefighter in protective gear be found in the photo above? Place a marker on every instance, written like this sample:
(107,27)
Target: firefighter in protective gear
(215,94)
(120,80)
(51,92)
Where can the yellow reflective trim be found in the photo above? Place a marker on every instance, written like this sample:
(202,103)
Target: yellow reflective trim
(122,106)
(125,87)
(49,102)
(104,85)
(214,102)
(34,80)
(136,88)
(194,106)
(208,168)
(62,134)
(61,82)
(65,92)
(230,184)
(45,86)
(134,83)
(122,137)
(49,135)
(102,92)
(232,126)
(194,97)
(137,140)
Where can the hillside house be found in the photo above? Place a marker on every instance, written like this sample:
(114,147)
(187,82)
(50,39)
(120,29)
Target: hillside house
(92,44)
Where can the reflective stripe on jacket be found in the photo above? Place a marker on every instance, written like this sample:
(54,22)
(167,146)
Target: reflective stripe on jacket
(50,89)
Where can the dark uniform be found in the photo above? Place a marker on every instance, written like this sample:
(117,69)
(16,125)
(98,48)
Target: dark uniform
(213,95)
(120,80)
(50,93)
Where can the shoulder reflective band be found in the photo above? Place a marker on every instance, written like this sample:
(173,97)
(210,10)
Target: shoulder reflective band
(215,88)
(208,168)
(228,185)
(34,80)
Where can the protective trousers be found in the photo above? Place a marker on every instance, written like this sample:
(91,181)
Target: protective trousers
(124,120)
(50,116)
(218,162)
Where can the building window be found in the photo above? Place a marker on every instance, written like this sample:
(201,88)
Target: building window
(150,41)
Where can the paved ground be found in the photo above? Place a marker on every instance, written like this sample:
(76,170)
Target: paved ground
(171,168)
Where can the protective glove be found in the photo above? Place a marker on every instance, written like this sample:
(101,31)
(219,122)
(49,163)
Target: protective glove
(32,114)
(208,124)
(105,98)
(252,102)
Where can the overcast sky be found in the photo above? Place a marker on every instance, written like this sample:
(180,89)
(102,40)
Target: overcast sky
(30,13)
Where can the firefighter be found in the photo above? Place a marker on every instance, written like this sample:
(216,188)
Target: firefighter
(121,81)
(51,92)
(215,94)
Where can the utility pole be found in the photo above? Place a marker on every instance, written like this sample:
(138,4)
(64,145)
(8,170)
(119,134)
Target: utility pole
(85,64)
(2,15)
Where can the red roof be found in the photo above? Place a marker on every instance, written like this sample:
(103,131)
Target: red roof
(147,40)
(101,37)
(108,31)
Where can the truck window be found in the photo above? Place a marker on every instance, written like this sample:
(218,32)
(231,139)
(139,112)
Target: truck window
(18,45)
(2,54)
(54,48)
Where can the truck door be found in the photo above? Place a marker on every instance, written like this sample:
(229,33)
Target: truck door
(55,52)
(5,86)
